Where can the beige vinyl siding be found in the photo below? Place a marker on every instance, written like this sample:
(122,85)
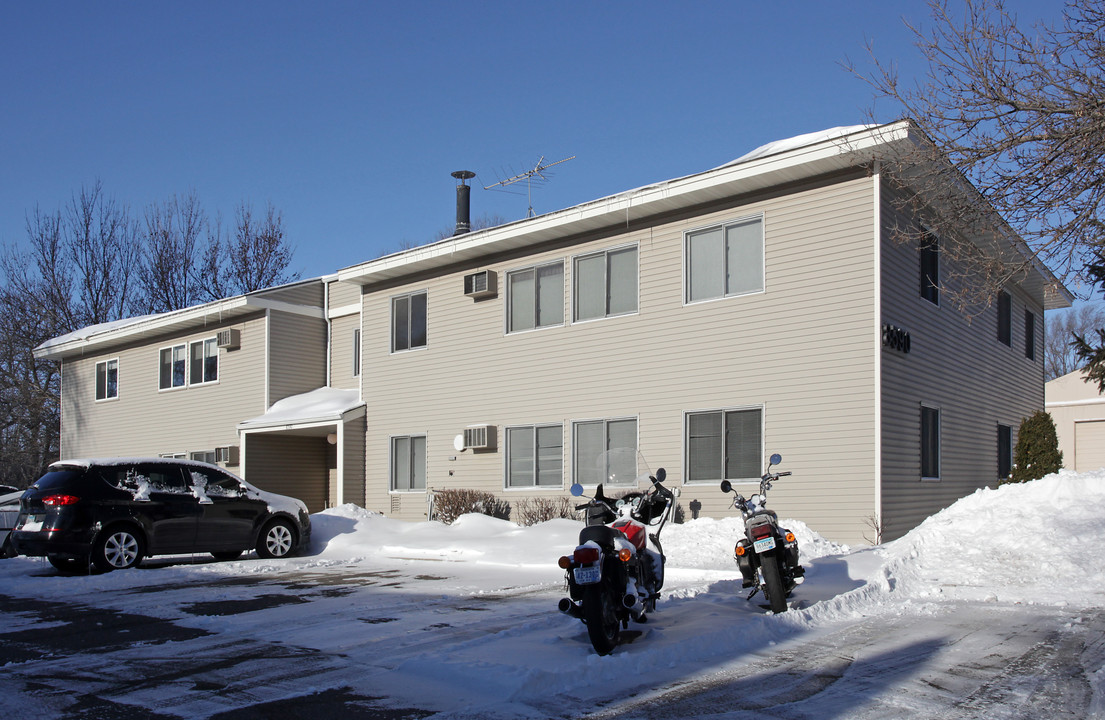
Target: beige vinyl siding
(341,352)
(145,420)
(802,350)
(957,364)
(343,294)
(297,354)
(354,462)
(306,293)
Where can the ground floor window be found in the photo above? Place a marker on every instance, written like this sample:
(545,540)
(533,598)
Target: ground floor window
(207,456)
(535,456)
(930,443)
(605,451)
(408,462)
(1005,451)
(724,445)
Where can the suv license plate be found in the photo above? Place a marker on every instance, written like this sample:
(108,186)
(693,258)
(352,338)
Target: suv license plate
(588,575)
(762,546)
(31,524)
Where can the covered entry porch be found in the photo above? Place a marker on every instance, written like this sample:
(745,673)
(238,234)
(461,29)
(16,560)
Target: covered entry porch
(309,446)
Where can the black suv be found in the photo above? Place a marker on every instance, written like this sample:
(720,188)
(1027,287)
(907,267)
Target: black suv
(116,512)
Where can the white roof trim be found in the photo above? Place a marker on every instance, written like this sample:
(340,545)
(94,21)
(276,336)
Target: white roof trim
(322,406)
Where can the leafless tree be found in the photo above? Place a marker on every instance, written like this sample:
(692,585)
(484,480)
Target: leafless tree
(1060,329)
(77,271)
(170,274)
(257,256)
(1017,111)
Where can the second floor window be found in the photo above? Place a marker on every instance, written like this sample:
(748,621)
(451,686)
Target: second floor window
(173,363)
(725,260)
(408,322)
(605,283)
(107,380)
(1005,321)
(356,352)
(930,269)
(204,361)
(1029,335)
(535,297)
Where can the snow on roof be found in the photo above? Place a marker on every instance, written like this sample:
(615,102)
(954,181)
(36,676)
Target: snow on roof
(321,405)
(799,141)
(86,332)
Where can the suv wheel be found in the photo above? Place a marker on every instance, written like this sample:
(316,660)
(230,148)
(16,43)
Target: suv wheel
(117,548)
(277,540)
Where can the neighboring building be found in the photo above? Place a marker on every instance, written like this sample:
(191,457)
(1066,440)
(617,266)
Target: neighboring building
(1078,409)
(701,323)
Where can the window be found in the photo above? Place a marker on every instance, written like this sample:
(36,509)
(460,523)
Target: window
(605,451)
(207,456)
(535,297)
(356,352)
(1029,335)
(408,462)
(1005,451)
(724,445)
(173,363)
(725,260)
(930,269)
(204,361)
(930,443)
(107,380)
(605,284)
(1004,318)
(408,322)
(535,456)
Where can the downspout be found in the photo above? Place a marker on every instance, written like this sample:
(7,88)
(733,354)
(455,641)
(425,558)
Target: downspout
(877,192)
(329,328)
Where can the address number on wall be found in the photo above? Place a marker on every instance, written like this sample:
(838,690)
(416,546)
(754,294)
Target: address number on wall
(895,338)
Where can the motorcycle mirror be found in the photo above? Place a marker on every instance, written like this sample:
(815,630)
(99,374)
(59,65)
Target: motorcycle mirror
(576,490)
(661,475)
(776,458)
(726,486)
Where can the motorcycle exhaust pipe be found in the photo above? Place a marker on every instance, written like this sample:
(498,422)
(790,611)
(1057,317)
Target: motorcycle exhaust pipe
(631,602)
(568,607)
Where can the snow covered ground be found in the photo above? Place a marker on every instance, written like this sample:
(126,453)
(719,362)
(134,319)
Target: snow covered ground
(991,608)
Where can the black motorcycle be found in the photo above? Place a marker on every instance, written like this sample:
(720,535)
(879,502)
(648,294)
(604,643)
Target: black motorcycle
(768,554)
(617,570)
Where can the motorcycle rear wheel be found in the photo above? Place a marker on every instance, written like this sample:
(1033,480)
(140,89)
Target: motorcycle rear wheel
(602,620)
(773,583)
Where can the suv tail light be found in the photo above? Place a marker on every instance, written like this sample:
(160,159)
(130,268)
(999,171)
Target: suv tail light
(56,500)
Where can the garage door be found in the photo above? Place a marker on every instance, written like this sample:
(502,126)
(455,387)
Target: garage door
(1089,445)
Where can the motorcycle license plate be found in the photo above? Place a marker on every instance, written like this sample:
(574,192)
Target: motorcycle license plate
(588,575)
(762,546)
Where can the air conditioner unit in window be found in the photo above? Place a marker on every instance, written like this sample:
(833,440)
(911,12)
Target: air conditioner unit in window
(479,437)
(230,339)
(481,285)
(228,454)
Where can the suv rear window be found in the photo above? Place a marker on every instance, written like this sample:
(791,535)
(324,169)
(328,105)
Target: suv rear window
(58,479)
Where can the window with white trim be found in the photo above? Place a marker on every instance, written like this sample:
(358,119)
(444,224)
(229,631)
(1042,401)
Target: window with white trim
(535,456)
(535,297)
(604,284)
(604,451)
(203,361)
(107,379)
(930,269)
(408,462)
(930,443)
(356,352)
(724,445)
(207,456)
(173,367)
(408,321)
(725,260)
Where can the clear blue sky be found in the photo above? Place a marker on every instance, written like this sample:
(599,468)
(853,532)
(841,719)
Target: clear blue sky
(349,116)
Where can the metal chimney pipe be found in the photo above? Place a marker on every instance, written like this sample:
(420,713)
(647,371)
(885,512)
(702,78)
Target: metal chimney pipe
(463,201)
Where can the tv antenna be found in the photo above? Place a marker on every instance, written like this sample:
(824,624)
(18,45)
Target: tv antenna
(537,174)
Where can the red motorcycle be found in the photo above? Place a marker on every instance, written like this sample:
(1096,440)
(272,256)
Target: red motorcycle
(617,570)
